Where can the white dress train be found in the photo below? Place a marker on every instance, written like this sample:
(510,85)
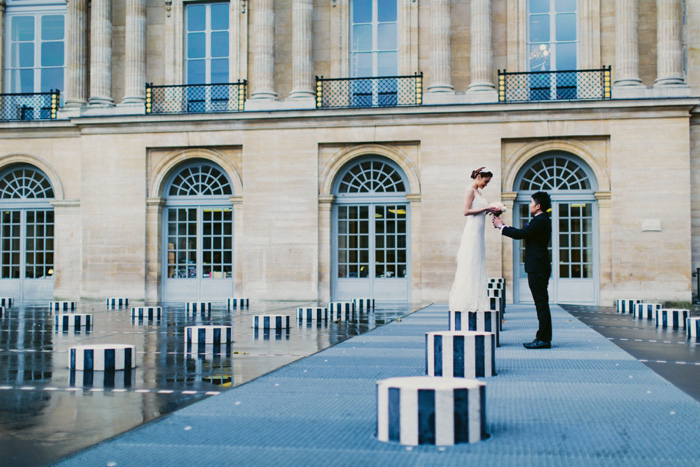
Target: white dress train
(469,288)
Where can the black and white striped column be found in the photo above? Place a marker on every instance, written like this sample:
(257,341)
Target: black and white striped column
(234,303)
(6,302)
(498,284)
(485,321)
(314,313)
(116,302)
(625,305)
(102,379)
(198,307)
(61,306)
(102,357)
(341,311)
(271,321)
(2,311)
(72,320)
(216,335)
(692,327)
(428,410)
(363,303)
(646,310)
(460,354)
(675,319)
(146,312)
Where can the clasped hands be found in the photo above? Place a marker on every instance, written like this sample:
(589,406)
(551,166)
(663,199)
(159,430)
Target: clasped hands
(497,222)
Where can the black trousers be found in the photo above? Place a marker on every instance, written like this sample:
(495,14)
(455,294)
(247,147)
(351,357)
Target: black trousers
(538,286)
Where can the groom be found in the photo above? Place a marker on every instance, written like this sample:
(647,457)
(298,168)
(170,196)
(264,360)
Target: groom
(537,264)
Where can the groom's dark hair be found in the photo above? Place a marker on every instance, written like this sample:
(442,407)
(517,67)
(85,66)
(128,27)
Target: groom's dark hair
(542,198)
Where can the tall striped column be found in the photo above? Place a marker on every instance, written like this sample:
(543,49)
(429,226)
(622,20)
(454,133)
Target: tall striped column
(460,354)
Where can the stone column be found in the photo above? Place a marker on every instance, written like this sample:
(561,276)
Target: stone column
(325,206)
(481,60)
(76,53)
(2,40)
(669,62)
(154,211)
(101,53)
(135,53)
(302,49)
(440,56)
(264,51)
(626,43)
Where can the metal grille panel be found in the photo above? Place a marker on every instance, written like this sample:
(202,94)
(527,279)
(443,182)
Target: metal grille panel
(196,98)
(554,85)
(29,106)
(387,91)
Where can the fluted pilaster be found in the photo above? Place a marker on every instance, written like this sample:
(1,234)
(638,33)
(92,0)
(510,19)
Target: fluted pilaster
(302,49)
(101,53)
(627,43)
(440,56)
(135,52)
(263,50)
(669,62)
(481,59)
(76,53)
(2,39)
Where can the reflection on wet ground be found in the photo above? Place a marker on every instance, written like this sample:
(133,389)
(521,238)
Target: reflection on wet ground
(48,412)
(668,352)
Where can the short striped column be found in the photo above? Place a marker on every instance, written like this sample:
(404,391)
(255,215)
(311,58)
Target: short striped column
(72,320)
(314,313)
(692,327)
(427,410)
(675,319)
(116,302)
(216,335)
(646,310)
(146,312)
(484,321)
(625,305)
(6,302)
(234,303)
(61,306)
(460,354)
(102,379)
(198,307)
(271,321)
(102,357)
(498,284)
(341,311)
(363,303)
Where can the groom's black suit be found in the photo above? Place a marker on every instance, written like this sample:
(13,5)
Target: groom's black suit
(538,267)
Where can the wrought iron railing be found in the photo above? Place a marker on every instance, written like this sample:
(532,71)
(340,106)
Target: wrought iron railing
(29,106)
(554,85)
(195,98)
(382,91)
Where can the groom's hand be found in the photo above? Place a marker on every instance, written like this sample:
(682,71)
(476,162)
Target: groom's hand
(497,222)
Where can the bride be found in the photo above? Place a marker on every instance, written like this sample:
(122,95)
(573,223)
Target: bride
(469,288)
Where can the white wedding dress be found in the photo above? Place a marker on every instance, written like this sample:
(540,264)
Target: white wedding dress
(469,288)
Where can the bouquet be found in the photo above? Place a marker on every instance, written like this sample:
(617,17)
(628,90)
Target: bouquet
(500,208)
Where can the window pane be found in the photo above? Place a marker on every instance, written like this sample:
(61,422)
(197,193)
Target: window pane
(539,28)
(195,72)
(539,6)
(196,45)
(362,38)
(52,53)
(196,17)
(361,11)
(387,63)
(386,10)
(219,72)
(219,44)
(539,58)
(386,39)
(51,78)
(22,28)
(26,81)
(566,27)
(566,5)
(219,16)
(26,54)
(362,64)
(566,56)
(52,27)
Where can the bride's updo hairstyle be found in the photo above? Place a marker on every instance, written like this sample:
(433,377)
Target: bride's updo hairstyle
(483,171)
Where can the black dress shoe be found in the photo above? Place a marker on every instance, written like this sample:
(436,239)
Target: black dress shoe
(537,345)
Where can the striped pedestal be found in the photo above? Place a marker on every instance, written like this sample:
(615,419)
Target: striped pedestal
(692,327)
(460,354)
(198,307)
(102,379)
(314,313)
(116,302)
(674,319)
(6,302)
(2,311)
(105,357)
(72,320)
(234,303)
(484,321)
(216,335)
(496,304)
(646,310)
(341,311)
(61,306)
(428,410)
(363,303)
(625,305)
(146,312)
(271,321)
(501,287)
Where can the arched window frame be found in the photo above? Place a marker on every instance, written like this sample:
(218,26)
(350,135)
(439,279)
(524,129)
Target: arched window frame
(570,158)
(199,163)
(47,192)
(336,189)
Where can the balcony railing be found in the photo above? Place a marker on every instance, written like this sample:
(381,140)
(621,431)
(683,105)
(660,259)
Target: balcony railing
(383,91)
(195,98)
(29,106)
(569,85)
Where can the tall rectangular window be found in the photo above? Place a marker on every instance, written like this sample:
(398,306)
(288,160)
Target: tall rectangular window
(206,43)
(552,35)
(374,38)
(35,50)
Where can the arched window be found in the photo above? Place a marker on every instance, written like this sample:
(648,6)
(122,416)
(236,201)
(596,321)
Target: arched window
(371,176)
(554,172)
(201,179)
(25,182)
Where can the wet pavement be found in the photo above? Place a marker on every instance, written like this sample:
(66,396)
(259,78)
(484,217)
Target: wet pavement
(48,412)
(668,352)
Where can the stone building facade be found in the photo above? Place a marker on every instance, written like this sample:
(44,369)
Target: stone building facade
(268,189)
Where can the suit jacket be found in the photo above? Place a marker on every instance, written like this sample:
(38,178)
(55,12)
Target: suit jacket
(536,235)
